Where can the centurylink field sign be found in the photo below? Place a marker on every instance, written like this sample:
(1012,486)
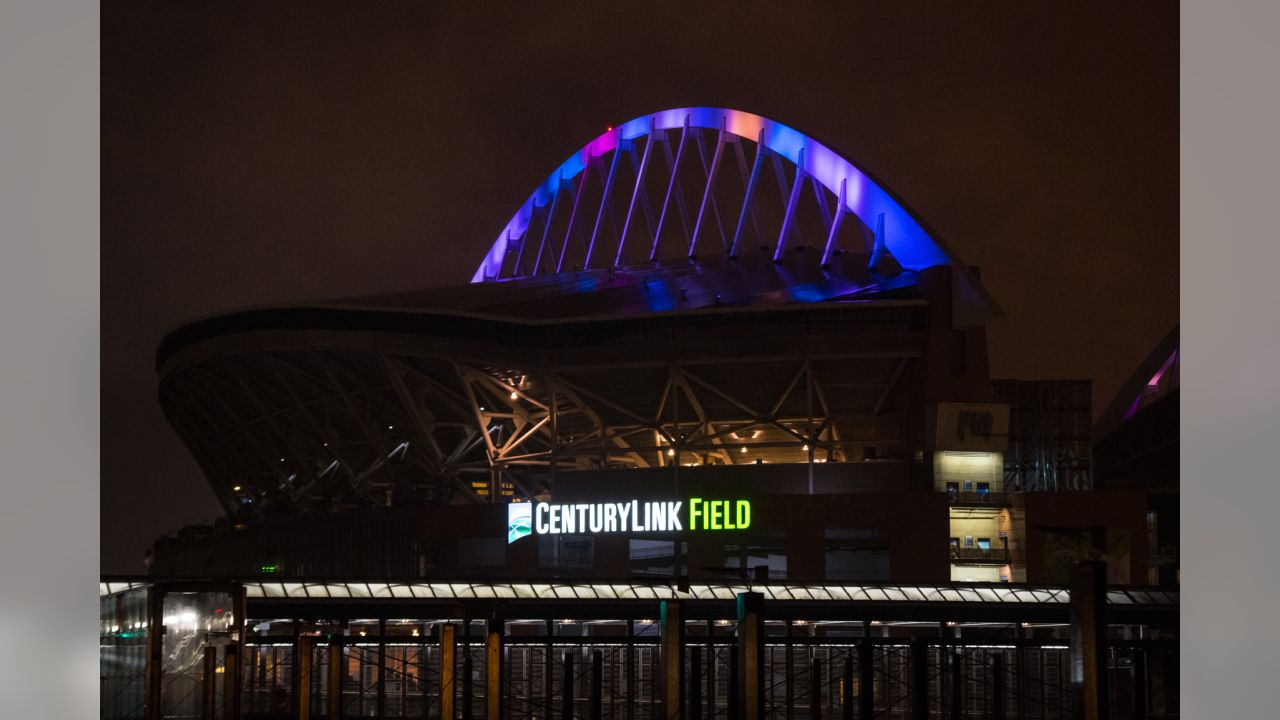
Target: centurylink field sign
(631,516)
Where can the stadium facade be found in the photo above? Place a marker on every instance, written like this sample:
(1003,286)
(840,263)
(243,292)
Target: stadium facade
(714,418)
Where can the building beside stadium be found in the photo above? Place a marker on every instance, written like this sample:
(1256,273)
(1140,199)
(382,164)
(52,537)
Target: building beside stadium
(714,420)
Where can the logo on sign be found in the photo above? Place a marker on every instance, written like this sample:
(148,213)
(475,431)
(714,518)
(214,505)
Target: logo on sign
(519,521)
(633,516)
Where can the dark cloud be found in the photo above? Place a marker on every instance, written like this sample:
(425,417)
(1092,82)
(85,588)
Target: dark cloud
(260,153)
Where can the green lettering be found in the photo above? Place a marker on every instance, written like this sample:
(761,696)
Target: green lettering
(694,513)
(744,514)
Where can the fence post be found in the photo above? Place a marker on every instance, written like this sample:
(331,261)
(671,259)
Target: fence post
(631,669)
(815,689)
(154,663)
(334,709)
(957,683)
(734,701)
(866,680)
(695,683)
(997,686)
(566,711)
(597,685)
(1140,684)
(919,679)
(549,677)
(846,697)
(711,676)
(466,673)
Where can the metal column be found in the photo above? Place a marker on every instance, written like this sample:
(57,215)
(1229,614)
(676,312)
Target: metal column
(1140,684)
(210,684)
(334,709)
(231,682)
(750,651)
(153,678)
(448,670)
(493,670)
(1089,640)
(672,631)
(302,693)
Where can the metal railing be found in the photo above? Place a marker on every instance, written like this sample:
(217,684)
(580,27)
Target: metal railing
(805,677)
(993,555)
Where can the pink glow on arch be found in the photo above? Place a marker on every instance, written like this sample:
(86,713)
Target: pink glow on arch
(905,238)
(1155,379)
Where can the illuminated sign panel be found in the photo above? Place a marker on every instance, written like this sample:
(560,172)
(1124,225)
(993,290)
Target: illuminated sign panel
(631,516)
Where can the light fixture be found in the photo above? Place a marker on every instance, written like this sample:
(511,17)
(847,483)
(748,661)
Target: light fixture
(514,395)
(805,447)
(743,449)
(236,488)
(670,452)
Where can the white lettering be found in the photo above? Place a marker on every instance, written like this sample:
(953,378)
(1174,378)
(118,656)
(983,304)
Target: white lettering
(596,515)
(539,521)
(673,516)
(624,511)
(555,520)
(582,517)
(566,519)
(610,518)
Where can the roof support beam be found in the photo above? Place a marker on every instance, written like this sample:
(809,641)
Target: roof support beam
(708,197)
(788,220)
(636,193)
(604,204)
(833,235)
(747,205)
(672,185)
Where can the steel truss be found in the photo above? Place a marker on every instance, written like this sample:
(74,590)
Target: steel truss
(320,429)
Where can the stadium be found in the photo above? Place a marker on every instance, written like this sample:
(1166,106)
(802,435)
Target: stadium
(710,433)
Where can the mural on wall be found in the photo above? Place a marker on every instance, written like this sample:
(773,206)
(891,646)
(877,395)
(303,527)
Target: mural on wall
(1064,547)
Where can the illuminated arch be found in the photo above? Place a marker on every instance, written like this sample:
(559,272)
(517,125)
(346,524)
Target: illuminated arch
(897,230)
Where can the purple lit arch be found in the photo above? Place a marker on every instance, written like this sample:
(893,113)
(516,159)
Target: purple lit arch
(896,229)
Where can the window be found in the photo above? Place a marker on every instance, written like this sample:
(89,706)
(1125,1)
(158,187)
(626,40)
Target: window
(984,543)
(968,541)
(857,554)
(953,487)
(559,553)
(652,557)
(984,488)
(968,486)
(763,548)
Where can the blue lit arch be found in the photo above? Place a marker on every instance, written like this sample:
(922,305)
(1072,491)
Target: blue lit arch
(903,235)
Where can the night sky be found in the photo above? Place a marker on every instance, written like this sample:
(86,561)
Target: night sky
(257,155)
